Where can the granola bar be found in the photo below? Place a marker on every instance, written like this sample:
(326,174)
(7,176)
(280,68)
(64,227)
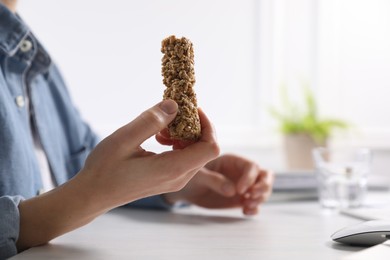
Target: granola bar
(179,79)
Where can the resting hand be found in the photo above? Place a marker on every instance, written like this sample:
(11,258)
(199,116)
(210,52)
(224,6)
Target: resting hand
(228,181)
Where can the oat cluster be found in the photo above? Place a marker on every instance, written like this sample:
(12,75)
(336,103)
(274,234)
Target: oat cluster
(179,79)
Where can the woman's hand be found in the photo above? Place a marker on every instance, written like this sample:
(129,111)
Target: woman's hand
(229,181)
(122,171)
(116,172)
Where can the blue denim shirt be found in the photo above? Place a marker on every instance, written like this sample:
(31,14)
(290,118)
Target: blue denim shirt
(26,69)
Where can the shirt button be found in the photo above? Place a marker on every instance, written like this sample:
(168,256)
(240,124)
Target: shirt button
(25,46)
(19,101)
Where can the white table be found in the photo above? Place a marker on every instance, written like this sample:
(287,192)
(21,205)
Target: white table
(283,230)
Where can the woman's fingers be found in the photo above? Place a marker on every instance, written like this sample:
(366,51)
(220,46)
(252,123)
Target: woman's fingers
(202,151)
(217,182)
(149,123)
(249,176)
(163,137)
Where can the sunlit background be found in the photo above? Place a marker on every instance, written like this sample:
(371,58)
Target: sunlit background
(245,50)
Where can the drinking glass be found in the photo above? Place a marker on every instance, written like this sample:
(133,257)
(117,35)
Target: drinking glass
(342,176)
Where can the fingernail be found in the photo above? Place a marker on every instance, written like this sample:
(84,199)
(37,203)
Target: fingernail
(252,204)
(168,106)
(228,188)
(250,212)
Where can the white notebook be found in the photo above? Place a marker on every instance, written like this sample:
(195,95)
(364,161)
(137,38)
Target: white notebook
(377,206)
(382,213)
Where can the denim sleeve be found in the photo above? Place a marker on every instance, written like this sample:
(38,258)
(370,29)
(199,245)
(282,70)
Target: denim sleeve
(9,225)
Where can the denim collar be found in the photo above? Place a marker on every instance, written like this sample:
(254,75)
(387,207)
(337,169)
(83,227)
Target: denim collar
(12,31)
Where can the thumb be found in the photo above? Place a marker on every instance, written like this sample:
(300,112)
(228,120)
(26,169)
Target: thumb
(217,182)
(147,124)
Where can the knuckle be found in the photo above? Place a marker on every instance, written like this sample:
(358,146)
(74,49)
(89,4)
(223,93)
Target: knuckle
(214,149)
(153,118)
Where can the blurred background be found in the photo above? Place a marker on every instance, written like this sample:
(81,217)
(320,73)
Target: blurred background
(245,50)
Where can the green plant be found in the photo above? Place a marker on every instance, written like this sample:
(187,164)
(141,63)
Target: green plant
(294,119)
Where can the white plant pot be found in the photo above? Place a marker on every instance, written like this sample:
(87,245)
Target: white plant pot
(298,151)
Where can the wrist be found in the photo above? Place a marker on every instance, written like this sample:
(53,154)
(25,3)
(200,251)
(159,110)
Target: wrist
(54,213)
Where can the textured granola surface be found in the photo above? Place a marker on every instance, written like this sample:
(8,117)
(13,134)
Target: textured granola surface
(179,79)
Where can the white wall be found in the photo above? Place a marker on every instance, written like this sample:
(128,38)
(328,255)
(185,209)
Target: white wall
(354,66)
(109,52)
